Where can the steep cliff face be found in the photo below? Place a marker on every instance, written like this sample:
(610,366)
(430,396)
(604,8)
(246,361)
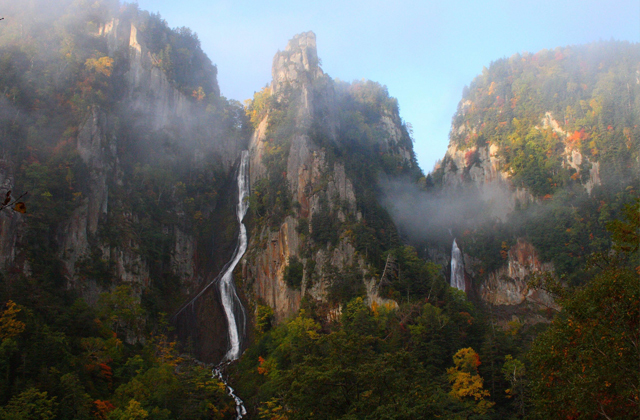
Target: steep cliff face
(141,147)
(508,285)
(150,91)
(484,167)
(313,180)
(542,144)
(151,94)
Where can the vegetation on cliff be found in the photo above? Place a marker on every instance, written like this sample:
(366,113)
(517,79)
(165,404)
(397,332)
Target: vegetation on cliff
(562,125)
(78,341)
(72,138)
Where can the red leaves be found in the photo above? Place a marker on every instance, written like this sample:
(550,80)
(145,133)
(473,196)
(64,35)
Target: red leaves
(102,409)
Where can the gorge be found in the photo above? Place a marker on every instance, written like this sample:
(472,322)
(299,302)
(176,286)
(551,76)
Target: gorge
(294,245)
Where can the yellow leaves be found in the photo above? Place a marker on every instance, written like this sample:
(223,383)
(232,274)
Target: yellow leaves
(258,107)
(514,326)
(199,94)
(9,325)
(272,410)
(466,382)
(167,351)
(134,411)
(102,65)
(467,360)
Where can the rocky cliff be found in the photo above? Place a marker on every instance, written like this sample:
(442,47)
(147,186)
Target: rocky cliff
(144,160)
(312,178)
(508,285)
(540,143)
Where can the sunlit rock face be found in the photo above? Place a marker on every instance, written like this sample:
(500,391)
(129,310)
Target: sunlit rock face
(298,64)
(482,167)
(508,285)
(296,72)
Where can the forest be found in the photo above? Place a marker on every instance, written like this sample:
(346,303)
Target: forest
(119,192)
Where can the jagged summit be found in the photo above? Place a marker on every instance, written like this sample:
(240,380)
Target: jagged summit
(297,64)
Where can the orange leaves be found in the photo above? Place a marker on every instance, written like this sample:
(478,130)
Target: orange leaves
(102,409)
(9,325)
(17,206)
(266,366)
(492,88)
(199,94)
(577,137)
(261,370)
(470,157)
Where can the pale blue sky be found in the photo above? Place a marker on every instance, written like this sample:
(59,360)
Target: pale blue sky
(425,52)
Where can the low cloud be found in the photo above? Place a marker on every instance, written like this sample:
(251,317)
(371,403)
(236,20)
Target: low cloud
(428,216)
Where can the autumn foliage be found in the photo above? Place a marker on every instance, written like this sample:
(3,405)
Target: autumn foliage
(466,383)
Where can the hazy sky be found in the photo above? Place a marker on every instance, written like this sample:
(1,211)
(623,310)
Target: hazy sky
(425,52)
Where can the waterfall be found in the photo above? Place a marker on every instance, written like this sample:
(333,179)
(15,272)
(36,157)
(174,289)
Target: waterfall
(457,267)
(233,309)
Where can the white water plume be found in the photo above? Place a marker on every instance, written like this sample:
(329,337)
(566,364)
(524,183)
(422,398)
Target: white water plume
(230,301)
(457,267)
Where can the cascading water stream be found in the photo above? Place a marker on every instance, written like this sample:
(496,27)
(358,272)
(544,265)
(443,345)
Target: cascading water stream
(233,308)
(230,301)
(457,267)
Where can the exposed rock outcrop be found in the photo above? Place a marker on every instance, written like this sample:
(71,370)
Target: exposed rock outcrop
(508,285)
(480,167)
(98,153)
(298,78)
(297,65)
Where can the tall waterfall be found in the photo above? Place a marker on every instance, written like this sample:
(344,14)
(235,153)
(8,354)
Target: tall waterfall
(233,309)
(457,267)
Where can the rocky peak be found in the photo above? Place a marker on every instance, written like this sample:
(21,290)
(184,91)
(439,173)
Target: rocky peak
(298,64)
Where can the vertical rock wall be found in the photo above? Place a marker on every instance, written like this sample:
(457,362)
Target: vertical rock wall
(309,177)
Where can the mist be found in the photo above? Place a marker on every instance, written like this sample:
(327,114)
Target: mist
(439,216)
